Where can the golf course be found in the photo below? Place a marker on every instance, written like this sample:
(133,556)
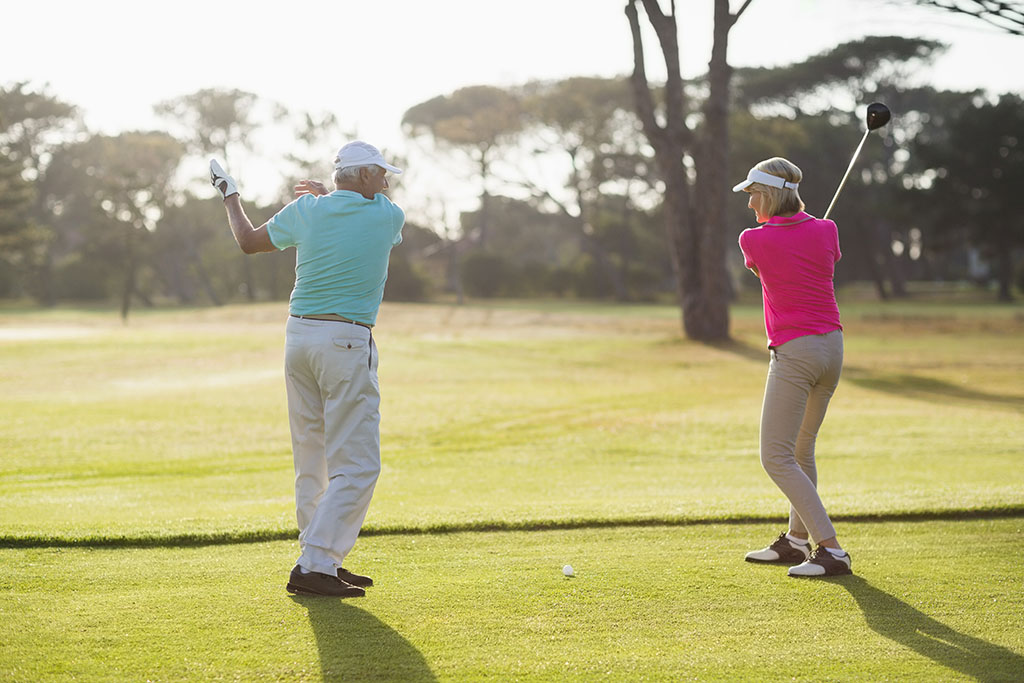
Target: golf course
(147,520)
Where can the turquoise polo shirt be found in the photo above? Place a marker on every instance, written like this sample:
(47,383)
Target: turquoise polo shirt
(342,245)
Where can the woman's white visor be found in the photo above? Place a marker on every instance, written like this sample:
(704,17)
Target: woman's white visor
(756,176)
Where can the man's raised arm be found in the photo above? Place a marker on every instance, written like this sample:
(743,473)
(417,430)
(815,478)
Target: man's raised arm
(250,239)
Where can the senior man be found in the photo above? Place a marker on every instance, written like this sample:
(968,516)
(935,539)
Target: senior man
(343,240)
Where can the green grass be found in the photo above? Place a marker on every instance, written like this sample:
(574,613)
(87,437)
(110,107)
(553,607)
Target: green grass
(176,424)
(146,506)
(654,604)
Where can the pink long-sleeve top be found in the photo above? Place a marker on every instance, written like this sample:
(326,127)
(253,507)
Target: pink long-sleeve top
(795,257)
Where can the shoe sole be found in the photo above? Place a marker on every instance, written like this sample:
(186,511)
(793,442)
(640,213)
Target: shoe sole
(780,561)
(848,572)
(299,590)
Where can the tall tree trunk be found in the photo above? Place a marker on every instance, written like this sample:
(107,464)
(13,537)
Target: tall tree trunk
(695,224)
(877,261)
(879,243)
(454,268)
(1004,273)
(45,293)
(679,221)
(129,273)
(485,198)
(711,322)
(41,275)
(143,297)
(204,277)
(879,281)
(589,243)
(173,274)
(455,272)
(250,287)
(894,264)
(604,263)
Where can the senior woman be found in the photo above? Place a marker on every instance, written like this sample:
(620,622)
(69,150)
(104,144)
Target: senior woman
(794,254)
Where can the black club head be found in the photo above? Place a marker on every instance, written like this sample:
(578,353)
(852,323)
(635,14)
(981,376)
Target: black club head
(878,115)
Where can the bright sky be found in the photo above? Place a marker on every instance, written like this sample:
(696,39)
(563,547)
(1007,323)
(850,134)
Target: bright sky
(368,62)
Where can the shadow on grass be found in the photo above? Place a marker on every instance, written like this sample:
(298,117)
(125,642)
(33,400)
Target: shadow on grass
(896,620)
(354,645)
(900,384)
(928,389)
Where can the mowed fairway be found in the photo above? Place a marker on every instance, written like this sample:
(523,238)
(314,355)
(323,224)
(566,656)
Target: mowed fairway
(146,505)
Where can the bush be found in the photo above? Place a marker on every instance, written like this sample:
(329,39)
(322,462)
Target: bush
(487,275)
(590,281)
(644,282)
(560,281)
(83,279)
(405,282)
(9,282)
(533,279)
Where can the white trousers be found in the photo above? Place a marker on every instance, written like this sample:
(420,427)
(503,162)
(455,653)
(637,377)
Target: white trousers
(334,415)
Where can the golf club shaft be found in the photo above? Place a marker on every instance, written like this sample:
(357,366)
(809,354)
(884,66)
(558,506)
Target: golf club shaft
(847,175)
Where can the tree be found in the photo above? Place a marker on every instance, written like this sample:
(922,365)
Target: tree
(1004,15)
(214,121)
(32,124)
(409,273)
(16,196)
(974,175)
(119,185)
(211,120)
(476,120)
(854,71)
(183,225)
(316,135)
(16,199)
(589,122)
(801,108)
(693,166)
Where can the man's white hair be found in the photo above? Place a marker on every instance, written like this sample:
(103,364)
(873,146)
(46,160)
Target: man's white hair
(340,174)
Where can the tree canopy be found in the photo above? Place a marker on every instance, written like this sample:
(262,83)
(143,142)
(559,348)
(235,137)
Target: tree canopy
(587,187)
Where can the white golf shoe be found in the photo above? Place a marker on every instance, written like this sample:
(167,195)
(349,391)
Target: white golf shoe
(823,562)
(219,178)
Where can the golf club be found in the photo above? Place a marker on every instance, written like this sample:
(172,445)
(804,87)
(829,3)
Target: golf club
(878,115)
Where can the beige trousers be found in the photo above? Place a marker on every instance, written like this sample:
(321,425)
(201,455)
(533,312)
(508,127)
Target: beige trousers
(334,415)
(802,376)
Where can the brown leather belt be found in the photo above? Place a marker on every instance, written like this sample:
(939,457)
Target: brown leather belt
(332,317)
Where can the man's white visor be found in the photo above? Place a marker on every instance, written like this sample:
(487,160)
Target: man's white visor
(756,176)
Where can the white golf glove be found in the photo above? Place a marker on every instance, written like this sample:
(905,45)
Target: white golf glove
(219,178)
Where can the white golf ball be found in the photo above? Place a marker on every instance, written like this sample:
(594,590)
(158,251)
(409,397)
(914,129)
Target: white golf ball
(567,570)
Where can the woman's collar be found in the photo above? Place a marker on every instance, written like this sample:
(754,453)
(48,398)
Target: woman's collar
(783,221)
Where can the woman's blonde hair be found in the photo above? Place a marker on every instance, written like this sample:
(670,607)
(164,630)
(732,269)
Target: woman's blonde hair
(780,201)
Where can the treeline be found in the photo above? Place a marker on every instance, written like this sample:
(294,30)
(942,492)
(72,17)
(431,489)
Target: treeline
(569,199)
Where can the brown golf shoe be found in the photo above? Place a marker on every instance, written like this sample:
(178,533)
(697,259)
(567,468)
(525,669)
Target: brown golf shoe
(315,583)
(782,551)
(822,562)
(354,579)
